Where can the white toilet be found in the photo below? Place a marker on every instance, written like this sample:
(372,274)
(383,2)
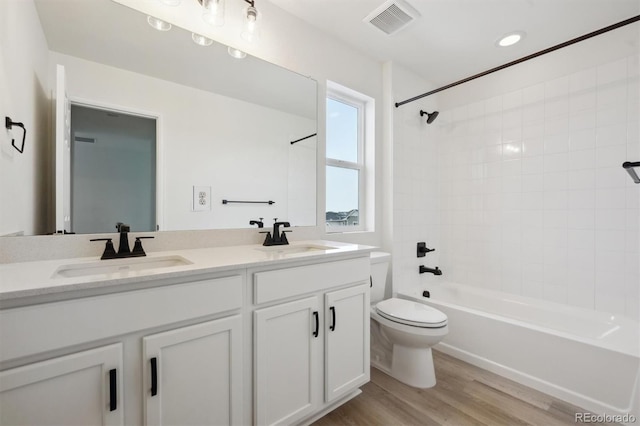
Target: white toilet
(402,331)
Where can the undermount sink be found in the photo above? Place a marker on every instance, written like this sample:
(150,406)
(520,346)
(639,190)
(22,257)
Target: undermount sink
(118,266)
(294,249)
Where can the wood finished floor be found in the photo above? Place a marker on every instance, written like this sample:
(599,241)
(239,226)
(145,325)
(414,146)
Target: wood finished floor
(464,395)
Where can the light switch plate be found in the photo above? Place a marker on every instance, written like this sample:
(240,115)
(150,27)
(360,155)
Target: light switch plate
(201,198)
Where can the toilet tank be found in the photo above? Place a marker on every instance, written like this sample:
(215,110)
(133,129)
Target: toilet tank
(379,267)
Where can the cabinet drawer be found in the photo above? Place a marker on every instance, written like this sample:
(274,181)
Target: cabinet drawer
(282,283)
(57,325)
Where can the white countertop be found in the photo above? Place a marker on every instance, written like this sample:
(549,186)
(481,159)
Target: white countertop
(27,279)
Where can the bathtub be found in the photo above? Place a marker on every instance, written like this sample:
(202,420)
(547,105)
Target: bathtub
(587,358)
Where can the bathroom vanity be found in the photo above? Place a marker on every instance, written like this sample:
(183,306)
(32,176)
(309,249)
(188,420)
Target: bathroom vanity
(231,335)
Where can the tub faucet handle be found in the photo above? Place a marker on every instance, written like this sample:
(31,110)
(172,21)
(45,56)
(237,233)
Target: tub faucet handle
(422,249)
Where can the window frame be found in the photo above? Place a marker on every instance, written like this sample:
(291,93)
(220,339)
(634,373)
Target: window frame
(361,106)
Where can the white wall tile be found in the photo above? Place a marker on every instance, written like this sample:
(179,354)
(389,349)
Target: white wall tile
(581,199)
(582,80)
(611,135)
(533,94)
(612,72)
(581,218)
(581,179)
(582,100)
(532,198)
(582,139)
(585,119)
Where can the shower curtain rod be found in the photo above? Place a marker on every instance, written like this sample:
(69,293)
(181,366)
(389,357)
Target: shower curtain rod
(526,58)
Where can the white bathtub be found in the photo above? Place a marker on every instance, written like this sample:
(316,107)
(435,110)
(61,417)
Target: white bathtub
(587,358)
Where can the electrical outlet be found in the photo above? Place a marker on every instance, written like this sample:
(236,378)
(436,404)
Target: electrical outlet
(201,198)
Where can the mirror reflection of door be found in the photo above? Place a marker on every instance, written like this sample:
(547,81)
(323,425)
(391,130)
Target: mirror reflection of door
(113,170)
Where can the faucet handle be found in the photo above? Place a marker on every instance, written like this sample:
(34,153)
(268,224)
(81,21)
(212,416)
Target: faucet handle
(283,238)
(109,250)
(137,247)
(268,241)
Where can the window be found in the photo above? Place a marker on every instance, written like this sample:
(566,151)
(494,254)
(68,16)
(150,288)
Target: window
(346,174)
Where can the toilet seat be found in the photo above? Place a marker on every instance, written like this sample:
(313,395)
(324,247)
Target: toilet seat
(411,313)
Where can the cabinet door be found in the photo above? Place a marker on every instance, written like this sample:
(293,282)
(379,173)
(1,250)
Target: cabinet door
(193,375)
(287,350)
(84,388)
(346,340)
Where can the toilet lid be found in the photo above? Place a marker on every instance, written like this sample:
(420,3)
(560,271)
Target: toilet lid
(411,313)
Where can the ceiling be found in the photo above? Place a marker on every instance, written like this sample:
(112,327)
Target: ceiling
(450,40)
(454,39)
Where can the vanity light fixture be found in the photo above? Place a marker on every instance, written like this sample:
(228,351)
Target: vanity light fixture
(158,24)
(171,2)
(236,53)
(510,39)
(250,31)
(201,40)
(213,12)
(213,15)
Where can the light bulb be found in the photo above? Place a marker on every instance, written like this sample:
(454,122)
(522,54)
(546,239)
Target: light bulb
(236,53)
(201,40)
(158,24)
(250,32)
(213,12)
(171,2)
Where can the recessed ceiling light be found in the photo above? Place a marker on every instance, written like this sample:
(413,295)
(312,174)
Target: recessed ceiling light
(201,40)
(158,24)
(510,39)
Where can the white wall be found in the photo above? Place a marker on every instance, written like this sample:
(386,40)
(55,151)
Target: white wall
(24,97)
(241,150)
(533,198)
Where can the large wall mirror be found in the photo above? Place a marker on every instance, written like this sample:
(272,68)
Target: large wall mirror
(215,127)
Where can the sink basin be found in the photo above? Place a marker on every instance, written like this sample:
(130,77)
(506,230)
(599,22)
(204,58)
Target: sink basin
(294,249)
(118,266)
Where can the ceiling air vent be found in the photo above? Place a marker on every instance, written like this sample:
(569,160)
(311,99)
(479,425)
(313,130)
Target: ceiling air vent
(392,16)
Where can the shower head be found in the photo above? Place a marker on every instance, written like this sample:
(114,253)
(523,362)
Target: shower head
(431,117)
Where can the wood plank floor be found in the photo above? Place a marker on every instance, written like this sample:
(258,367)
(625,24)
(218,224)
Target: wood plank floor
(464,395)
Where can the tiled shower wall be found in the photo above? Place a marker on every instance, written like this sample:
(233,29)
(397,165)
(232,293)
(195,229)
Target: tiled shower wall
(533,198)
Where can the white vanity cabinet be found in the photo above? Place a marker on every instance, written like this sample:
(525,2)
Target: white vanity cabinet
(312,351)
(84,388)
(93,357)
(192,374)
(240,336)
(346,361)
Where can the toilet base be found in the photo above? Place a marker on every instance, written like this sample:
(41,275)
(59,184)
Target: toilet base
(413,366)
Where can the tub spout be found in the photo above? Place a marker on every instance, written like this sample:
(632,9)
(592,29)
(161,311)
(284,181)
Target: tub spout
(435,271)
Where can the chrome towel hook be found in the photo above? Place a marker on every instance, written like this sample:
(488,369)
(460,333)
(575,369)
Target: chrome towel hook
(8,124)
